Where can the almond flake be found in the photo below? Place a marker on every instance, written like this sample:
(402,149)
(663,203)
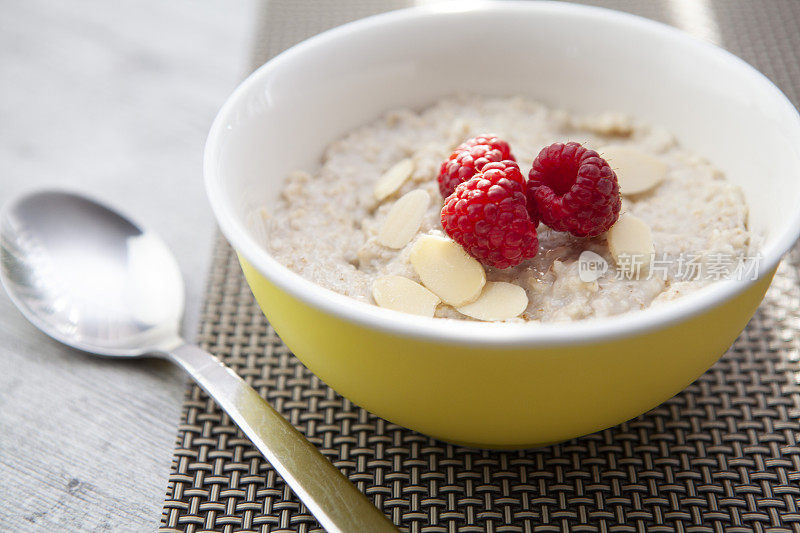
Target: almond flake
(630,242)
(636,170)
(404,219)
(402,294)
(393,179)
(447,270)
(498,301)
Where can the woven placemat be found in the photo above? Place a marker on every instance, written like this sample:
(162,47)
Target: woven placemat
(722,455)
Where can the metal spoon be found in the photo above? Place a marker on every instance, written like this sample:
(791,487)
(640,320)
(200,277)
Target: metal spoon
(96,281)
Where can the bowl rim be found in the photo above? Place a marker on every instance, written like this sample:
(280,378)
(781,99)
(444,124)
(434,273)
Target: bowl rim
(467,332)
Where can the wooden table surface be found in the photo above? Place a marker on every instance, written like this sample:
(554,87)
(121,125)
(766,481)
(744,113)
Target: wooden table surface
(113,99)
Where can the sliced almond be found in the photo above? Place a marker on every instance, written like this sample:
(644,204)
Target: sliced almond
(402,294)
(630,242)
(498,301)
(606,123)
(392,179)
(404,219)
(447,270)
(636,170)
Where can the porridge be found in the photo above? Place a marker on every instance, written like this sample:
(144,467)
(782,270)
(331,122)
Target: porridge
(368,223)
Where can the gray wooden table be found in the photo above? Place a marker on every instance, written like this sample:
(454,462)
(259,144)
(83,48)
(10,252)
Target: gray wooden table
(112,99)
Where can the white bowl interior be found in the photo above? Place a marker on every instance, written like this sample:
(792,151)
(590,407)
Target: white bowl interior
(575,57)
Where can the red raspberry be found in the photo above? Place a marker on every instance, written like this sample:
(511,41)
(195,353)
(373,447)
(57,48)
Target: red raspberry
(469,158)
(487,215)
(572,188)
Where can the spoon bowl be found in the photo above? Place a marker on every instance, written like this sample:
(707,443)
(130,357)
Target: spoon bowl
(89,277)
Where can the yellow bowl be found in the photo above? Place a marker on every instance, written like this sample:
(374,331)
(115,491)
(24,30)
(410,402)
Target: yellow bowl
(505,385)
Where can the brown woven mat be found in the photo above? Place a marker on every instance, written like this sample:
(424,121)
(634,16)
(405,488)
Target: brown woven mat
(722,455)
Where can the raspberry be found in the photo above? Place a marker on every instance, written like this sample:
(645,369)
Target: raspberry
(487,215)
(572,188)
(469,158)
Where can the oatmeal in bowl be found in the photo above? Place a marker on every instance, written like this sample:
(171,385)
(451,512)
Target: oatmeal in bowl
(380,219)
(552,305)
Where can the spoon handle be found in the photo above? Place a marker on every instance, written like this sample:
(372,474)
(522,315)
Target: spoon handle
(332,499)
